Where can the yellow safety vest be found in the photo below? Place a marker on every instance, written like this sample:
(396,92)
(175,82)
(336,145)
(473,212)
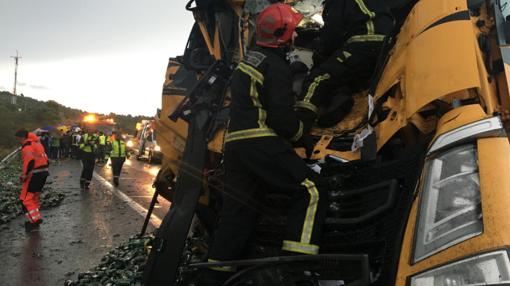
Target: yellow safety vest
(118,149)
(84,146)
(102,140)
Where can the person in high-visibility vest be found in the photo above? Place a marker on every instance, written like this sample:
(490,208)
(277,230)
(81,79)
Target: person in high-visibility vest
(101,150)
(117,156)
(88,146)
(33,176)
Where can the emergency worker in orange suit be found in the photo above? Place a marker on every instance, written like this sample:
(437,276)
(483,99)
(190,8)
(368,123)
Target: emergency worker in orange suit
(33,176)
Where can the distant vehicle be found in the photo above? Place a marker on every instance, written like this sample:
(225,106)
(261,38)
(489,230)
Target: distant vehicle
(98,123)
(129,142)
(144,144)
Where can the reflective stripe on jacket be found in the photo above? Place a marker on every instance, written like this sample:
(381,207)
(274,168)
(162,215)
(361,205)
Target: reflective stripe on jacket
(262,99)
(350,21)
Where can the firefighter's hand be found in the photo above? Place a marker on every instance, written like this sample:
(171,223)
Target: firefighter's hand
(306,142)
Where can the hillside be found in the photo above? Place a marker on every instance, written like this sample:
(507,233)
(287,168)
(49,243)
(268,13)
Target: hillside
(31,114)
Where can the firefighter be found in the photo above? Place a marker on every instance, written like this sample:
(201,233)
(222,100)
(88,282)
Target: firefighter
(349,45)
(88,146)
(117,155)
(33,176)
(259,153)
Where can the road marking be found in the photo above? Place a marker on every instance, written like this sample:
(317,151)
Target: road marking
(155,220)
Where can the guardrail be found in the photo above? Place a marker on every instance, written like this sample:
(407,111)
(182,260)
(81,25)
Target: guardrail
(7,159)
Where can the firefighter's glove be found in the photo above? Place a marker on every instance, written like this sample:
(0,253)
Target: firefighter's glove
(307,117)
(306,142)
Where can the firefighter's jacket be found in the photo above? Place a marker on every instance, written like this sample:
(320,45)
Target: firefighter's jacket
(118,149)
(88,143)
(33,156)
(262,100)
(352,21)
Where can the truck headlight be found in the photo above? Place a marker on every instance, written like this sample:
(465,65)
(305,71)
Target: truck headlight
(129,143)
(450,206)
(157,148)
(485,269)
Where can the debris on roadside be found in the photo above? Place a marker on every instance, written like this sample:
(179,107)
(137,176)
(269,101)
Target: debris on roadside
(122,266)
(10,188)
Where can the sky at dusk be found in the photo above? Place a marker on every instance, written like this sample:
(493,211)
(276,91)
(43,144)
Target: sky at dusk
(96,55)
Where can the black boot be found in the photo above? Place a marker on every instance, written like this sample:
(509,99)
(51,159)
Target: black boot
(116,181)
(82,184)
(32,226)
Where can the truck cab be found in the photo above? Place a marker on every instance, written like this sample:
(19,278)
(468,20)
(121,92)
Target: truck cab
(420,168)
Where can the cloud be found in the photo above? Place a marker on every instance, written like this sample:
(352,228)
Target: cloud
(41,87)
(2,88)
(20,83)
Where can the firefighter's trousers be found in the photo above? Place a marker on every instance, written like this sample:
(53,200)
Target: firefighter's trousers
(30,195)
(117,163)
(88,161)
(346,71)
(253,168)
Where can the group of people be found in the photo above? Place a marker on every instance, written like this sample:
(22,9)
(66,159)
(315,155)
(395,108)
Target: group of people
(61,145)
(267,121)
(88,146)
(97,147)
(57,145)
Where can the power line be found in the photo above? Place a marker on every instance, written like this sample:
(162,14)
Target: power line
(16,60)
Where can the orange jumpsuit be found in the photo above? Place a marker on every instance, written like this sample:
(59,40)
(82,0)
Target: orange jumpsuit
(33,177)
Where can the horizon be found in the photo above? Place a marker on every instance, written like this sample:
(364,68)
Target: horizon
(99,56)
(81,110)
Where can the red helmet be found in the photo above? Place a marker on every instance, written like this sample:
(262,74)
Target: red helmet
(276,24)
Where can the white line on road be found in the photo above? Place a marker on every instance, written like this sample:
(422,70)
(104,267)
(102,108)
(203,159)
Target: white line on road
(155,220)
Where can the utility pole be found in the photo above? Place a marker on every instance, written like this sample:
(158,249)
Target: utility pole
(16,59)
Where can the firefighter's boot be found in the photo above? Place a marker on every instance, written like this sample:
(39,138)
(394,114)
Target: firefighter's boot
(29,227)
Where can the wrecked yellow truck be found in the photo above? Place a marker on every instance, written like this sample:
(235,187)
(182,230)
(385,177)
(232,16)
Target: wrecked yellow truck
(420,168)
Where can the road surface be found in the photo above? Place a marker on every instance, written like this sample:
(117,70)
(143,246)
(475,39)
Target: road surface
(76,234)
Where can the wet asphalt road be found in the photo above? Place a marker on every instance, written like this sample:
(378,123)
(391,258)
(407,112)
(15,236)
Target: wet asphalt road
(76,234)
